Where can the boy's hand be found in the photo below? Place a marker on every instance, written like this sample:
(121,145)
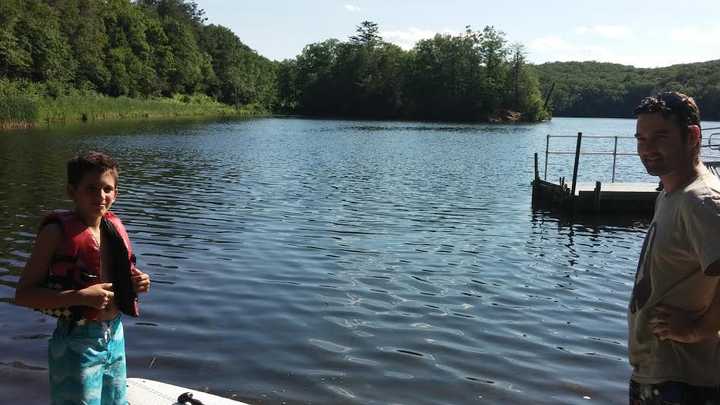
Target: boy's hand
(672,324)
(141,281)
(98,296)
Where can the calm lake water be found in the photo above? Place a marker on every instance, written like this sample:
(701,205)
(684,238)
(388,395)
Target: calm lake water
(343,262)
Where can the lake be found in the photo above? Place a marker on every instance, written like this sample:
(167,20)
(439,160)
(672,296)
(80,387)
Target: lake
(343,262)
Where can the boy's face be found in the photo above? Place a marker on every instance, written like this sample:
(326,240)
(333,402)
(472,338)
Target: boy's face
(661,144)
(95,194)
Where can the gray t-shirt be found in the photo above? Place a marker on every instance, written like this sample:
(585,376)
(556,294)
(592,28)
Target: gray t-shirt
(682,242)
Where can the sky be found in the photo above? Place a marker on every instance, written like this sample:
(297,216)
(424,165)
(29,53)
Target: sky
(642,33)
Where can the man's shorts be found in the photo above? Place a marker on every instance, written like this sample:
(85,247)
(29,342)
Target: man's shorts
(87,363)
(673,393)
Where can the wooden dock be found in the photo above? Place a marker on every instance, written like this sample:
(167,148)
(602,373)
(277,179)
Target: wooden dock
(596,198)
(605,198)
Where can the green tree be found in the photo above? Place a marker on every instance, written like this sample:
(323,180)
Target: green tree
(593,89)
(83,27)
(15,59)
(368,34)
(37,33)
(242,76)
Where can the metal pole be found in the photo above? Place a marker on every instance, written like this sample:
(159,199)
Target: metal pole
(596,196)
(577,162)
(614,160)
(537,172)
(547,149)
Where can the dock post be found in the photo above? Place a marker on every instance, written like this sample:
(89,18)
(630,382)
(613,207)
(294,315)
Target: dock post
(536,181)
(547,152)
(614,159)
(596,196)
(575,168)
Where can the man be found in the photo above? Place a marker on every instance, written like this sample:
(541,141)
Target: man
(674,313)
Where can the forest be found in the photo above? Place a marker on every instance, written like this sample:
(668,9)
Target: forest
(473,76)
(79,58)
(593,89)
(123,48)
(165,48)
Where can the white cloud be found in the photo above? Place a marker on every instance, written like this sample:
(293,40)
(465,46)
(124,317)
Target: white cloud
(550,42)
(351,8)
(697,35)
(407,39)
(606,31)
(553,48)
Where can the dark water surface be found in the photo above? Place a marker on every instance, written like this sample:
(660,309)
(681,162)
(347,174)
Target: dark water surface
(342,262)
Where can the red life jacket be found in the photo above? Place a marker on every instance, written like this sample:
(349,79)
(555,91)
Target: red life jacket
(77,263)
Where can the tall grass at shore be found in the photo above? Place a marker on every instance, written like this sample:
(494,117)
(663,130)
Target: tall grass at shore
(77,108)
(24,104)
(17,111)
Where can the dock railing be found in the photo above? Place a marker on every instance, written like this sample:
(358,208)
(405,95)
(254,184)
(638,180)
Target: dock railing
(578,151)
(714,166)
(626,197)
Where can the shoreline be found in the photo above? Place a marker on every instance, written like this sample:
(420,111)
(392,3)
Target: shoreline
(77,109)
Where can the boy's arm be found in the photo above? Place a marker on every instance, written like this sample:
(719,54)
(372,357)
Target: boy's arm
(31,292)
(140,281)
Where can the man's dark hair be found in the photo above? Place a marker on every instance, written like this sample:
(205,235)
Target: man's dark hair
(672,105)
(90,162)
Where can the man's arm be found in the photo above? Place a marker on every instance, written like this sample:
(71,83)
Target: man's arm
(673,324)
(709,325)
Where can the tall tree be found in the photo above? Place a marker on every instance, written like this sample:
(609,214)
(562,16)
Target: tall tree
(368,34)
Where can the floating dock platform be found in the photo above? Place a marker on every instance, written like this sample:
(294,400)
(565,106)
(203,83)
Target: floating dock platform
(601,198)
(596,198)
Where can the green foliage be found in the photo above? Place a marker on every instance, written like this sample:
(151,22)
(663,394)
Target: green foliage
(139,49)
(241,75)
(368,34)
(78,106)
(18,104)
(593,89)
(468,77)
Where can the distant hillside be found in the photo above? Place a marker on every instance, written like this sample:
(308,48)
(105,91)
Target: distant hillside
(593,89)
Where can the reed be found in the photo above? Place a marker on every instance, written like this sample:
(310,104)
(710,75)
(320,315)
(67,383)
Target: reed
(24,104)
(17,111)
(80,108)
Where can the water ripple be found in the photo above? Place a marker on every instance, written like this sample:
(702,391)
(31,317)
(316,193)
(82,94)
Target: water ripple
(313,261)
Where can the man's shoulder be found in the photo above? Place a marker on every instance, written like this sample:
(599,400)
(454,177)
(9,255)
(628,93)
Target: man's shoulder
(702,194)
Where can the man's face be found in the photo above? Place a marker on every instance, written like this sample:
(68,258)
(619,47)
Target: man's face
(95,193)
(662,147)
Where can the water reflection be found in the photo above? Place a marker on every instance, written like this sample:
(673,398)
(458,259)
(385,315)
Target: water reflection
(591,231)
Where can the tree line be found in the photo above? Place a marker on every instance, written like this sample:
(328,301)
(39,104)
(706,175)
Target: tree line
(129,48)
(594,89)
(473,76)
(165,48)
(151,48)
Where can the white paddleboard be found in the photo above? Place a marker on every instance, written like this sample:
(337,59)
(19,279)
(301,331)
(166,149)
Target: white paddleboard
(148,392)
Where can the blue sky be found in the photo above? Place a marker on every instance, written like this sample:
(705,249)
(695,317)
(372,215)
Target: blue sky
(643,33)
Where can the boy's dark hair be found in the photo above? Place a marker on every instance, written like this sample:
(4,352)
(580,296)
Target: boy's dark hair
(672,105)
(90,162)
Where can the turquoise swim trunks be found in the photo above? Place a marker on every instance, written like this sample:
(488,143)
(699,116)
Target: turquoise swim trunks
(87,363)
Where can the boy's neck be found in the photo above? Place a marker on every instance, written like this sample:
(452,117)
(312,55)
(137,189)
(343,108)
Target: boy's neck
(92,221)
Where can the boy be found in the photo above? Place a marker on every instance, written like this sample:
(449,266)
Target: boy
(82,271)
